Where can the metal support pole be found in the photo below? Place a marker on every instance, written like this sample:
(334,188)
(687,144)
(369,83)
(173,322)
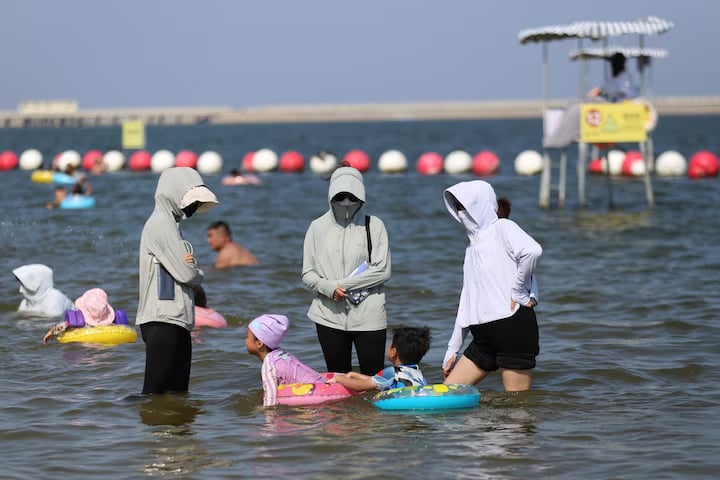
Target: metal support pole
(561,179)
(545,181)
(582,149)
(648,181)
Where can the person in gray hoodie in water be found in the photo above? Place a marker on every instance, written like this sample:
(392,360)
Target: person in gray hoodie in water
(346,262)
(166,312)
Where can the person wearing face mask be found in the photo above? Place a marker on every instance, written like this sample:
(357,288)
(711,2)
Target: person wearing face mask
(166,310)
(496,302)
(346,262)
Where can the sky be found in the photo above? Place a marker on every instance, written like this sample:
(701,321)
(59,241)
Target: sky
(247,53)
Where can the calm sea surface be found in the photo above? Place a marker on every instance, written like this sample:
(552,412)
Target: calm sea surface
(627,384)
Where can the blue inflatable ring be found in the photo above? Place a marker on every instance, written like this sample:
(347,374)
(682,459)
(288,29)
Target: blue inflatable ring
(429,397)
(75,202)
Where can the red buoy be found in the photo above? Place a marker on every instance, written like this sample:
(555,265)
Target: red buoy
(358,160)
(485,163)
(704,164)
(291,162)
(429,163)
(186,158)
(140,161)
(8,161)
(90,158)
(247,162)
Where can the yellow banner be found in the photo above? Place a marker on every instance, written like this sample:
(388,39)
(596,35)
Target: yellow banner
(133,134)
(613,122)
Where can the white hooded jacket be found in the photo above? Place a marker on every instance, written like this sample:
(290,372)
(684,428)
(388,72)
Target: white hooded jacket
(499,261)
(39,296)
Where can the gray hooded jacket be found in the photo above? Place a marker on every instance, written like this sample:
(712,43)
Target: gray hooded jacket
(334,247)
(162,246)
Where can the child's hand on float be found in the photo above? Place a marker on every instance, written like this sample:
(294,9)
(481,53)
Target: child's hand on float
(53,332)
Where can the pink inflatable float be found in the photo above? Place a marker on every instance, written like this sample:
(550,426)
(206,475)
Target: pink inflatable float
(299,394)
(207,317)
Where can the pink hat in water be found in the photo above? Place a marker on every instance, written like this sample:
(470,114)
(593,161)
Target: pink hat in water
(95,307)
(269,329)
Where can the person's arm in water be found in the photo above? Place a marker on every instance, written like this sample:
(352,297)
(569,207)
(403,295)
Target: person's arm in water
(354,381)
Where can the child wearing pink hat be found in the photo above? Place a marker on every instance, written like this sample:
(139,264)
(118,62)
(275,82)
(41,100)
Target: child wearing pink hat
(93,310)
(264,335)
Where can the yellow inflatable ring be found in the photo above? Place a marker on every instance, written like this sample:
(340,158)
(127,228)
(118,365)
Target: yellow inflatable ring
(104,334)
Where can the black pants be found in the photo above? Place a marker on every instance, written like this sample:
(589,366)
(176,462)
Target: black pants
(337,349)
(168,354)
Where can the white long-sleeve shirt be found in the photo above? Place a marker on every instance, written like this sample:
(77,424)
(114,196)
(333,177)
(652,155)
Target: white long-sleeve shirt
(499,264)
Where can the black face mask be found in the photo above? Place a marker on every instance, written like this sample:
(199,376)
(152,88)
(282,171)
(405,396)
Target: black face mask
(345,206)
(191,209)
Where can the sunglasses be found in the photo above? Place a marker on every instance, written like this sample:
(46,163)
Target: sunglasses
(345,196)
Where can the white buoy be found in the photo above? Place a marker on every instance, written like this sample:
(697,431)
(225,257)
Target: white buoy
(265,160)
(671,164)
(393,161)
(30,159)
(615,159)
(69,157)
(114,160)
(209,162)
(528,162)
(162,160)
(323,163)
(457,161)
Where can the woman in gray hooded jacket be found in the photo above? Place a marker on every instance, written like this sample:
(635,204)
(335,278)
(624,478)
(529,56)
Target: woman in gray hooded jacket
(346,262)
(166,310)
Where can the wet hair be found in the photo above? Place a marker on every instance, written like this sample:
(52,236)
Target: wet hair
(222,226)
(617,64)
(503,210)
(77,189)
(199,295)
(411,343)
(235,172)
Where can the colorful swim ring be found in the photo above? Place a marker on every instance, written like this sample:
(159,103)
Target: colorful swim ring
(428,397)
(207,317)
(76,202)
(302,394)
(104,334)
(49,176)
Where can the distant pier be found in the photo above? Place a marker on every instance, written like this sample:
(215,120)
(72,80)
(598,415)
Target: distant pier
(67,113)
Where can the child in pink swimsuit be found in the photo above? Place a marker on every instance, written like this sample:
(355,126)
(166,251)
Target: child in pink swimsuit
(279,367)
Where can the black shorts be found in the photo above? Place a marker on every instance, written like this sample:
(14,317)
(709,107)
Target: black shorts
(511,343)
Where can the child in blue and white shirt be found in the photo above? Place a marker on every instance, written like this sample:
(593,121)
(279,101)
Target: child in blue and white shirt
(408,346)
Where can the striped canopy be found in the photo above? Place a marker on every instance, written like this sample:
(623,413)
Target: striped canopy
(595,30)
(607,52)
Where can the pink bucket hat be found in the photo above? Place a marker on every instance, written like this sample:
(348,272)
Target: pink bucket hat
(95,307)
(269,329)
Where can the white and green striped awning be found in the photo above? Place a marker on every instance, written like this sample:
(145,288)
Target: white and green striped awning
(595,30)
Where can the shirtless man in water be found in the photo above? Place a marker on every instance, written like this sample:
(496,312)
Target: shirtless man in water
(230,254)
